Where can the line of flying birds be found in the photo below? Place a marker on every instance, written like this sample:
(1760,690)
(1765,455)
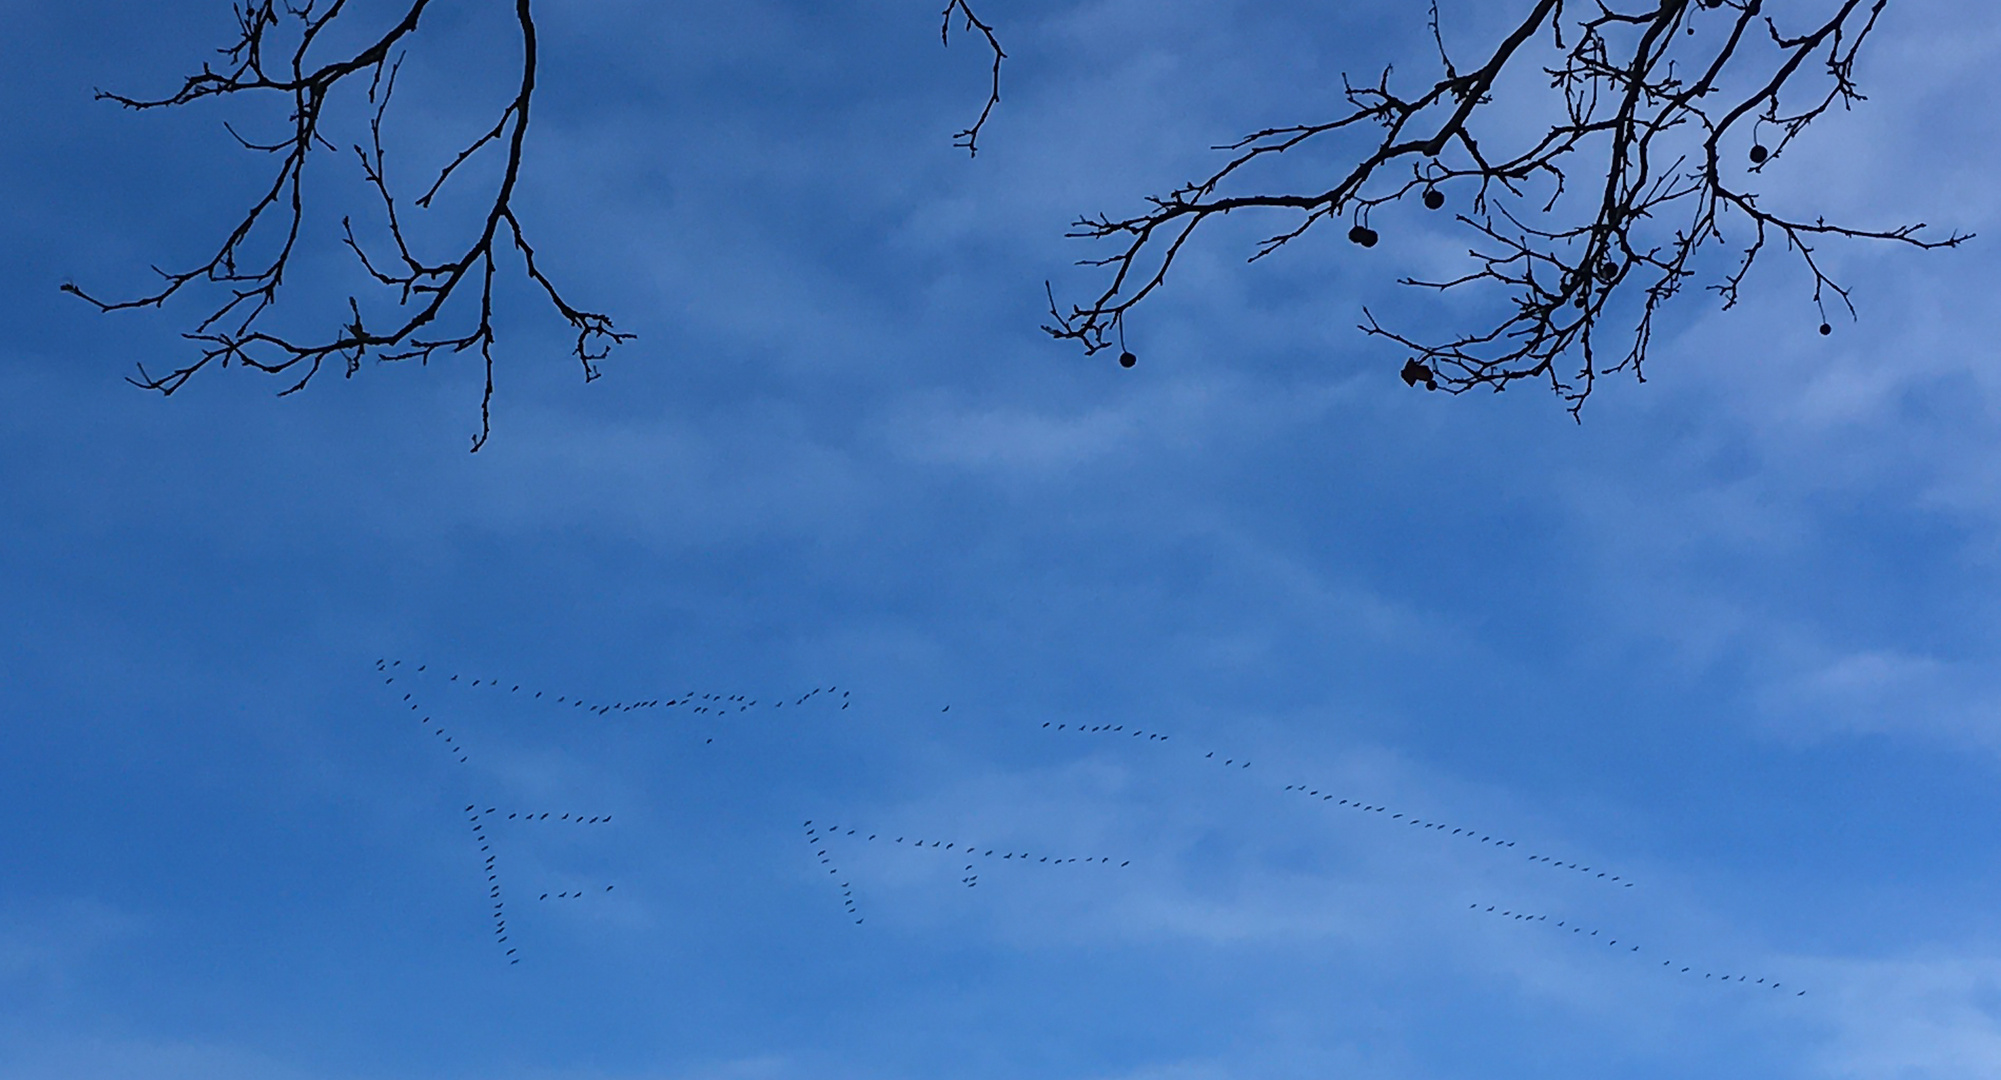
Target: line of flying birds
(695,703)
(1588,934)
(815,836)
(821,837)
(1475,835)
(690,700)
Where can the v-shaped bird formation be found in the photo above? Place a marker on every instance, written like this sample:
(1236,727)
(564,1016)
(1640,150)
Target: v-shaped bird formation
(408,682)
(479,820)
(413,682)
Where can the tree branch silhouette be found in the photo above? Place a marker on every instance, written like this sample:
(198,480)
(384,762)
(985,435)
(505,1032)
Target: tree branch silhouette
(969,139)
(1651,91)
(258,64)
(232,331)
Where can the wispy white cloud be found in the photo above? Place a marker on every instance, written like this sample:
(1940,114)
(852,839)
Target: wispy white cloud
(1911,1018)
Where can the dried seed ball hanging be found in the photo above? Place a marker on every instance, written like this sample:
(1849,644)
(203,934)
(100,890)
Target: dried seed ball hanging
(1759,153)
(1433,198)
(1363,235)
(1825,329)
(1127,359)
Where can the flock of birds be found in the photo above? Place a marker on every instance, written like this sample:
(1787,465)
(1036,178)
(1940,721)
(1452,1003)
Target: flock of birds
(833,833)
(814,840)
(1588,934)
(1475,835)
(493,871)
(478,819)
(493,886)
(694,703)
(1443,829)
(456,750)
(823,838)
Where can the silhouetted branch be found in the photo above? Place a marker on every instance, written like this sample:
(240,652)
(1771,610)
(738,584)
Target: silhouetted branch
(231,331)
(423,286)
(970,138)
(1649,93)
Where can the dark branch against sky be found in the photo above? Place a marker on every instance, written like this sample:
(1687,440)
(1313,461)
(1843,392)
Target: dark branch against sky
(261,64)
(1658,122)
(1663,117)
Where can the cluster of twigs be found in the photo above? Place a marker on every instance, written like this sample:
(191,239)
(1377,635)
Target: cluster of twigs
(259,64)
(1656,93)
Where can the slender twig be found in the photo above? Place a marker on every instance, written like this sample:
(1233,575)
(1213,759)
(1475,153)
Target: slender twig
(970,138)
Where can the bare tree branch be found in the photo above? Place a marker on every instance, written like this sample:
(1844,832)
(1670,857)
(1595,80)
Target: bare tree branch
(423,286)
(970,138)
(1651,92)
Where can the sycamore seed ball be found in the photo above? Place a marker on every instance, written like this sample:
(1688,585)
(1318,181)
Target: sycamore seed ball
(1127,359)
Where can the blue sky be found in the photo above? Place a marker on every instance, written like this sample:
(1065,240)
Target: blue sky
(1732,637)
